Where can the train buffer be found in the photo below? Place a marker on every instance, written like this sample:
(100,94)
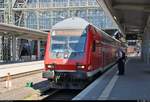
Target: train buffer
(134,85)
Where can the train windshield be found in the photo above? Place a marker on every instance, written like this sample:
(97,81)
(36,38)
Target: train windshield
(68,43)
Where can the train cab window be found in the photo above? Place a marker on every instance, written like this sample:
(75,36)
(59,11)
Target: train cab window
(94,46)
(68,42)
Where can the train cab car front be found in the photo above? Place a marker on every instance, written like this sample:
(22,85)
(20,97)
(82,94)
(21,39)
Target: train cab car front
(66,57)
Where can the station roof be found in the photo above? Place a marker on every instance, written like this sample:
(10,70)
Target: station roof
(7,29)
(130,15)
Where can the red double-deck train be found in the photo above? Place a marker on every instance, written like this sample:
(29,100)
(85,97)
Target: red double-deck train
(77,50)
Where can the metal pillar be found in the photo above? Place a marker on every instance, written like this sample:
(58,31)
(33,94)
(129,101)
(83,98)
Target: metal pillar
(8,11)
(37,15)
(1,49)
(6,52)
(146,46)
(38,49)
(14,43)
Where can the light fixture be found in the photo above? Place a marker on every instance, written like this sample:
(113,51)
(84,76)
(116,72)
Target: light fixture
(80,66)
(50,66)
(115,18)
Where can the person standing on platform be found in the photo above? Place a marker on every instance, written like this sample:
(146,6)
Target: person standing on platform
(121,58)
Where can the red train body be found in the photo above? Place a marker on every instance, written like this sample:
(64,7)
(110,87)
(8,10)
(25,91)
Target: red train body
(77,50)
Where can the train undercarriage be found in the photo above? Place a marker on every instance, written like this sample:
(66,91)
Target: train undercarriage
(67,80)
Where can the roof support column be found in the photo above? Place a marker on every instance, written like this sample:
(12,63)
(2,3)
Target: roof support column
(38,49)
(14,43)
(146,43)
(146,51)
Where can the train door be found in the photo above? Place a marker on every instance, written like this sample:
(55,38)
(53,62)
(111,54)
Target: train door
(99,54)
(105,52)
(93,55)
(96,55)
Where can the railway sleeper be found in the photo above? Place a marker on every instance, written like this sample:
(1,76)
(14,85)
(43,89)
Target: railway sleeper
(68,84)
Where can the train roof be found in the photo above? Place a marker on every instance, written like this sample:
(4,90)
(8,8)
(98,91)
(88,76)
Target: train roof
(105,34)
(71,23)
(77,23)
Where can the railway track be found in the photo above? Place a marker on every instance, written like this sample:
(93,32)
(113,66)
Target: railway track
(21,75)
(61,94)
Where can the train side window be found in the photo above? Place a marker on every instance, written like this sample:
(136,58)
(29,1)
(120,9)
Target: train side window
(94,46)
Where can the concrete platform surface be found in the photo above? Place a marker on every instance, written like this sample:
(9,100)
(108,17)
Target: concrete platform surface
(134,85)
(16,68)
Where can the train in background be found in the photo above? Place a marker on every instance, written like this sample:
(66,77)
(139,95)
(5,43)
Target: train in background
(76,50)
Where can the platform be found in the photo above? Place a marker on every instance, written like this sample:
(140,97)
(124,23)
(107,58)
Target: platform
(134,85)
(17,68)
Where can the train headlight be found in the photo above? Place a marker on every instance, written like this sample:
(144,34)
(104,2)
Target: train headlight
(80,66)
(50,66)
